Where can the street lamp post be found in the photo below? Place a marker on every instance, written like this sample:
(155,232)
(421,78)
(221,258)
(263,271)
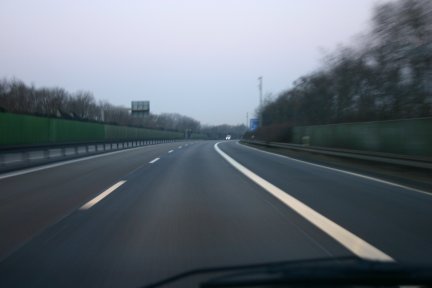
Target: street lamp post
(260,79)
(260,86)
(247,120)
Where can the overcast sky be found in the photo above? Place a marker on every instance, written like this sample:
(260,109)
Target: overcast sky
(198,58)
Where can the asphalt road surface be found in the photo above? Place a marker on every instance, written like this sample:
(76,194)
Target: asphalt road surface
(130,218)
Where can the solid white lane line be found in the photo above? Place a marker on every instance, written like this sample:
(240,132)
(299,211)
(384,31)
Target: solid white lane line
(101,196)
(154,160)
(350,241)
(170,151)
(341,171)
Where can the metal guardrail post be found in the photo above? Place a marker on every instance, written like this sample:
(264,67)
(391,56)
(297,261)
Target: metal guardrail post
(26,156)
(46,153)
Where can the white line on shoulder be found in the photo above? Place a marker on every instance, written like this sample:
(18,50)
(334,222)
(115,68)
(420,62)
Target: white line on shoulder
(349,240)
(48,166)
(341,171)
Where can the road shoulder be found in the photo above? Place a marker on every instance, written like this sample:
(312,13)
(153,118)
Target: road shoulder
(417,178)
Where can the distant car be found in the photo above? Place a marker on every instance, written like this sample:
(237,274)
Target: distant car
(228,137)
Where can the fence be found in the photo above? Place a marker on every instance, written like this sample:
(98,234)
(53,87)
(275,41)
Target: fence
(26,130)
(407,136)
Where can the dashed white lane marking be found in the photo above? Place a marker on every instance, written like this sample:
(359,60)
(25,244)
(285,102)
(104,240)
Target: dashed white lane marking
(154,160)
(101,196)
(170,151)
(180,147)
(350,241)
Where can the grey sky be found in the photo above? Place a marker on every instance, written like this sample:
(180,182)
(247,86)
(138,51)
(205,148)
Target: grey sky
(197,58)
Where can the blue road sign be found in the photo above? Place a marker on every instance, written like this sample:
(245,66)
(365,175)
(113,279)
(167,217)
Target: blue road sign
(253,124)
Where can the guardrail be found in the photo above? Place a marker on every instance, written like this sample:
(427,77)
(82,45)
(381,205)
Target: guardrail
(395,159)
(12,158)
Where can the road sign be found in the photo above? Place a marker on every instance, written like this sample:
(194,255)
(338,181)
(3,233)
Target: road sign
(253,124)
(140,108)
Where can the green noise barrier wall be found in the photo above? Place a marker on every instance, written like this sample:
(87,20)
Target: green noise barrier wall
(407,136)
(23,130)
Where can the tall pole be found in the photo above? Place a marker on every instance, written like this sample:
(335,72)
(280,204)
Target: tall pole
(247,120)
(260,79)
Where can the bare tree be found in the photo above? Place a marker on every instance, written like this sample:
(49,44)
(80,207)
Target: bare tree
(389,77)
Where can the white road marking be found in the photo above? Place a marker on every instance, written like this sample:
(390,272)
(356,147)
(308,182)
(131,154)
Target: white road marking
(154,160)
(341,171)
(350,241)
(180,147)
(101,196)
(48,166)
(170,151)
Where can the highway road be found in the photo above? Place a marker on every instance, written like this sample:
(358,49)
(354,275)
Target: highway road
(130,218)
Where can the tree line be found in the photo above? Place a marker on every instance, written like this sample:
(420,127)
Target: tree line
(17,97)
(387,76)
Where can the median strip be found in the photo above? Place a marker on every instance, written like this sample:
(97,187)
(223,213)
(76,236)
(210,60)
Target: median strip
(101,196)
(350,241)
